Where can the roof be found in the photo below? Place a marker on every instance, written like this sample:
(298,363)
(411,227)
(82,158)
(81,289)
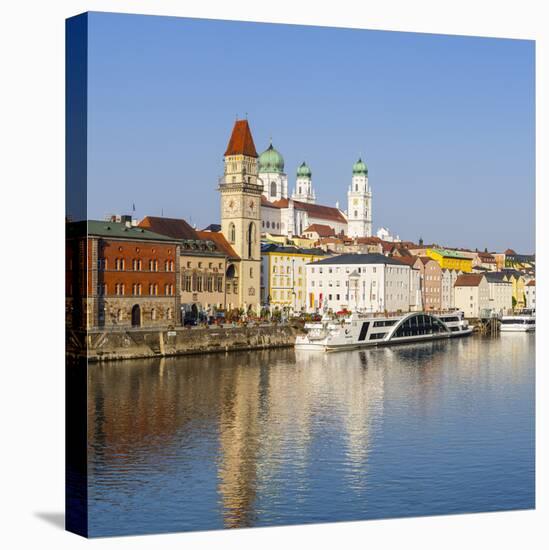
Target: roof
(512,272)
(469,279)
(241,142)
(408,260)
(531,283)
(426,260)
(367,240)
(279,249)
(486,256)
(220,242)
(449,253)
(314,210)
(360,259)
(117,230)
(322,212)
(171,227)
(510,251)
(321,229)
(496,277)
(213,227)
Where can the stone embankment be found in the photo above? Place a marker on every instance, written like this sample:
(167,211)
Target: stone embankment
(136,344)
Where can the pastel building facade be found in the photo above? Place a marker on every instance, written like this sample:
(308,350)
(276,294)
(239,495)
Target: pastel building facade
(530,294)
(450,259)
(365,282)
(283,276)
(472,294)
(500,293)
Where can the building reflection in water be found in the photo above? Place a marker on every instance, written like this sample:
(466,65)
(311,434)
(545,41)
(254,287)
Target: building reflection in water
(246,435)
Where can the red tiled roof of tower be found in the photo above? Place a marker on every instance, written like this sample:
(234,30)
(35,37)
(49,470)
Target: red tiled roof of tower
(241,142)
(468,279)
(171,227)
(220,241)
(321,229)
(531,283)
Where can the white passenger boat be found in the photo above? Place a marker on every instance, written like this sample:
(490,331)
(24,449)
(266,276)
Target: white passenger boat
(524,321)
(360,330)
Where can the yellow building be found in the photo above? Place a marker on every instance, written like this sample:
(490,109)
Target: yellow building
(450,259)
(517,280)
(283,276)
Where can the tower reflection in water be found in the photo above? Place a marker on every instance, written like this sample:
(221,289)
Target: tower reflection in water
(278,437)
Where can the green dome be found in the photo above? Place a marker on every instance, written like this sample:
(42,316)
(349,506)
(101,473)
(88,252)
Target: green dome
(304,171)
(360,168)
(271,161)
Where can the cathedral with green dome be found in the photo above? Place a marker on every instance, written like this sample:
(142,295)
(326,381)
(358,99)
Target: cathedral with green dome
(290,215)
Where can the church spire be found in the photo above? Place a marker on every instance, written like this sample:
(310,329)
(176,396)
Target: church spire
(241,142)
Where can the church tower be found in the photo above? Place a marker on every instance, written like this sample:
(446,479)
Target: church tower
(304,185)
(241,211)
(271,174)
(359,214)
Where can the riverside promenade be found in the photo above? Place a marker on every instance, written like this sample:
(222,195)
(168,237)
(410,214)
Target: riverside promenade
(110,345)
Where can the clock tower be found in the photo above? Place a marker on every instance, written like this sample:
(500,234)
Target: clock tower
(241,212)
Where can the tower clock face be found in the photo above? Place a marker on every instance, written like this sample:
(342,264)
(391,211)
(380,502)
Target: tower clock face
(251,207)
(230,206)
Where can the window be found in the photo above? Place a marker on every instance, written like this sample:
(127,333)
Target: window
(251,272)
(232,233)
(199,283)
(209,284)
(153,314)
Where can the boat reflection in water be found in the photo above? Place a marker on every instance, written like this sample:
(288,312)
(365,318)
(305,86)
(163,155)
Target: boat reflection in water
(288,437)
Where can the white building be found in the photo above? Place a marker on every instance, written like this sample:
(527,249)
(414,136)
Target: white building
(365,282)
(290,216)
(472,294)
(500,292)
(385,235)
(530,294)
(447,298)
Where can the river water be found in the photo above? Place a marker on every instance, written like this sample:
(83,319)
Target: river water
(284,437)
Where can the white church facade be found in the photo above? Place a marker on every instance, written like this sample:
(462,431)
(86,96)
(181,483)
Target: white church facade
(291,215)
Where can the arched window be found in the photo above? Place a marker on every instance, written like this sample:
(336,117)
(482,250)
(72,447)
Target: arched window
(232,233)
(251,239)
(273,189)
(153,314)
(356,213)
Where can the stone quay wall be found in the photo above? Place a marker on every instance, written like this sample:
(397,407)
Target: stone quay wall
(136,344)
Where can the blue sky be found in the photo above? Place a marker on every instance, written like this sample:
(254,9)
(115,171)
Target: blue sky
(446,124)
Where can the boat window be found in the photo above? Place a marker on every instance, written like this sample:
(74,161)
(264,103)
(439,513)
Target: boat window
(377,335)
(420,325)
(363,331)
(385,323)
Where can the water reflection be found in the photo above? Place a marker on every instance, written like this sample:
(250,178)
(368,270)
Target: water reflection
(278,437)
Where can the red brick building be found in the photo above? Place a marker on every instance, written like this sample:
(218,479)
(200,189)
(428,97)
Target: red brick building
(131,276)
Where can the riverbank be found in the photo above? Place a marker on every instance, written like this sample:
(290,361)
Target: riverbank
(140,344)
